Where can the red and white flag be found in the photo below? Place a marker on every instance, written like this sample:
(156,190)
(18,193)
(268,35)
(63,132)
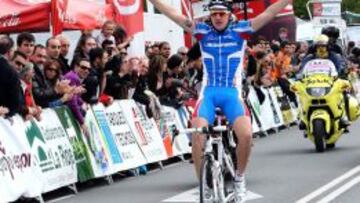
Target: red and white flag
(130,14)
(86,14)
(24,15)
(58,12)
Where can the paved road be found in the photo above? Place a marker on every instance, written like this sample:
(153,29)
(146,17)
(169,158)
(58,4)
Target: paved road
(283,168)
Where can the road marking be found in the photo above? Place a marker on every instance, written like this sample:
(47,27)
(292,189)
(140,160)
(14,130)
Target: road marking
(193,196)
(340,190)
(329,185)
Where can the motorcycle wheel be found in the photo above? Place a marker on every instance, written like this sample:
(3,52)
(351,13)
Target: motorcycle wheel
(319,134)
(330,146)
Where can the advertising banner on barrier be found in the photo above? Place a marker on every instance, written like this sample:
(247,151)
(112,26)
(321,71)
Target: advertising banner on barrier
(100,160)
(180,143)
(74,133)
(146,133)
(265,108)
(113,151)
(273,118)
(19,171)
(166,136)
(255,108)
(286,110)
(276,107)
(50,145)
(182,118)
(165,132)
(124,138)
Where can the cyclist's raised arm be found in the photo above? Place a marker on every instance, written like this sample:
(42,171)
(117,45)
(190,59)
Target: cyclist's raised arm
(180,19)
(266,16)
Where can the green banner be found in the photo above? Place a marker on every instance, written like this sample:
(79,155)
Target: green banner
(73,130)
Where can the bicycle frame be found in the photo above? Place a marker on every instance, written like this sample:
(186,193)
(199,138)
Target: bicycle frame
(221,161)
(217,151)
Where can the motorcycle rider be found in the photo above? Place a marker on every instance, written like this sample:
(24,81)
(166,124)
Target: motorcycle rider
(333,33)
(322,50)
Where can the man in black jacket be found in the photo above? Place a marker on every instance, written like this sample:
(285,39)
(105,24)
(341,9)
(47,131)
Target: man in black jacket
(10,91)
(96,80)
(64,50)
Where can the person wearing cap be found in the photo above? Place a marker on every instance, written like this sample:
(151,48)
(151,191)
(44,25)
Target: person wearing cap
(222,41)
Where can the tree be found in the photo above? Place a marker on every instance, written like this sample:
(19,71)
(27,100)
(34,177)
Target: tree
(347,5)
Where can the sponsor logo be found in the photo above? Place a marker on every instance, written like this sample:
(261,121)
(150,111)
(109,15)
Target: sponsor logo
(221,45)
(116,118)
(10,20)
(11,162)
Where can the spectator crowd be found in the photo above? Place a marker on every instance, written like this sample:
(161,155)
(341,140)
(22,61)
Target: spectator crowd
(36,76)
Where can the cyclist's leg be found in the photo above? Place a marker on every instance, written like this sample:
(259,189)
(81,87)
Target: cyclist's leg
(237,114)
(204,114)
(243,131)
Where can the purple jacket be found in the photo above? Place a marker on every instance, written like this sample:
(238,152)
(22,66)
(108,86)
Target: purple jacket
(76,102)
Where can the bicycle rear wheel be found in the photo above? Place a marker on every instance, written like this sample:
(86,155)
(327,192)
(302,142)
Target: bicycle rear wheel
(206,181)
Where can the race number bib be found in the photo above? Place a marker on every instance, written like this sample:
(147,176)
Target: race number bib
(320,66)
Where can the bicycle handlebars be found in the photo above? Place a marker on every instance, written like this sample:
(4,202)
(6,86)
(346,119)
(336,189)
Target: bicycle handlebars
(205,130)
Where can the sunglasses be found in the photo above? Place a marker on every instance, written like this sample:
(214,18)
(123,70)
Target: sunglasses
(85,67)
(221,14)
(18,63)
(321,46)
(55,47)
(52,69)
(182,53)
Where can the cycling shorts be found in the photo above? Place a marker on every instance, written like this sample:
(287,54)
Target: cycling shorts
(228,99)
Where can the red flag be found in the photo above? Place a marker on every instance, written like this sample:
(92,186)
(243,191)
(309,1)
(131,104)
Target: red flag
(58,11)
(86,14)
(254,8)
(24,15)
(130,14)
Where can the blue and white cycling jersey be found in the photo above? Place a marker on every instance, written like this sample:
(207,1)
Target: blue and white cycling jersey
(223,57)
(223,53)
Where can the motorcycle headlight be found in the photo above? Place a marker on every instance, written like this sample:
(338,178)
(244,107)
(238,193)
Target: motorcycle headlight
(318,91)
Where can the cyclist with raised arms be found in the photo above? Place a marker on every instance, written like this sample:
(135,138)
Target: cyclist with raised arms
(222,42)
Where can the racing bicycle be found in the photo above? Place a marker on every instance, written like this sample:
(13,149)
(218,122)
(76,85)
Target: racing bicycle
(218,163)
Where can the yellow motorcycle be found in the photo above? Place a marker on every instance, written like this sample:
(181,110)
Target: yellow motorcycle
(322,103)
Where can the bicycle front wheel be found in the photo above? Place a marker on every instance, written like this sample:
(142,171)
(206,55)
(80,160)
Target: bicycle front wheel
(206,181)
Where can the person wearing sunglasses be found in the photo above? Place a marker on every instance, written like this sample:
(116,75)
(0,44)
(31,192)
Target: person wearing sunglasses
(76,78)
(222,41)
(19,60)
(50,91)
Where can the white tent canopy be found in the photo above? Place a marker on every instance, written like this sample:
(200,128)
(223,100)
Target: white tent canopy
(304,30)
